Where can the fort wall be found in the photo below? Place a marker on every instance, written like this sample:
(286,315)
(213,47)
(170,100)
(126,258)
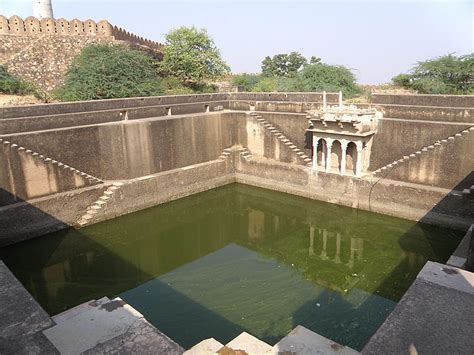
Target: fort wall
(32,26)
(41,51)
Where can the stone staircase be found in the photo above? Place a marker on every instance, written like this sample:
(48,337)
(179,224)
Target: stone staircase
(107,326)
(79,175)
(385,170)
(300,341)
(301,156)
(225,154)
(245,153)
(98,205)
(468,193)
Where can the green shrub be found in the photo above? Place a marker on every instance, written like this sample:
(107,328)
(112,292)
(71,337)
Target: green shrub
(12,85)
(319,77)
(104,71)
(174,86)
(246,81)
(448,74)
(266,85)
(313,77)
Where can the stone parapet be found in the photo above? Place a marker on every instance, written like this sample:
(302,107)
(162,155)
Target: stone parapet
(463,101)
(31,26)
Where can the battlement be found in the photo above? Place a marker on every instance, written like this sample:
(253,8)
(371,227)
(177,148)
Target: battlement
(31,26)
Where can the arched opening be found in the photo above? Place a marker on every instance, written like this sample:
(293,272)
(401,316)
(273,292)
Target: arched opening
(336,156)
(321,152)
(351,158)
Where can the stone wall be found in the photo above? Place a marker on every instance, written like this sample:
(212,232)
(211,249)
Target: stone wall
(133,149)
(26,174)
(466,101)
(41,51)
(32,26)
(110,104)
(44,60)
(131,140)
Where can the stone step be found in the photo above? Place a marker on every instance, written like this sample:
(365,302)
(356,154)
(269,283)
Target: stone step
(206,347)
(250,344)
(113,325)
(83,307)
(303,341)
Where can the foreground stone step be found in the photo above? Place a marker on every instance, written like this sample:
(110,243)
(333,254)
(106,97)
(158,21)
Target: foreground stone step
(114,326)
(206,347)
(84,307)
(302,341)
(249,344)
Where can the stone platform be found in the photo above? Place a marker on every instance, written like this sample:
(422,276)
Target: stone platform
(435,316)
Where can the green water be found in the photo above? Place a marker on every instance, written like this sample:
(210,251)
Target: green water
(237,259)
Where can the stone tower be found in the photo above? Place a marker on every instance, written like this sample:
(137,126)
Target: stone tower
(43,9)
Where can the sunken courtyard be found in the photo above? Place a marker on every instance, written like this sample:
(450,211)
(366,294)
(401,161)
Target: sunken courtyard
(265,223)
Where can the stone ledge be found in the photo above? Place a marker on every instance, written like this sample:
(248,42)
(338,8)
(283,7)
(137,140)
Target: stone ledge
(21,319)
(433,317)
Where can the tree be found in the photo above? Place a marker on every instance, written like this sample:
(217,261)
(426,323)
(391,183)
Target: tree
(283,64)
(246,81)
(448,74)
(191,56)
(104,71)
(319,77)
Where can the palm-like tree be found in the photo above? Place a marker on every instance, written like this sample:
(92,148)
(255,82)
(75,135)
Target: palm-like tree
(43,9)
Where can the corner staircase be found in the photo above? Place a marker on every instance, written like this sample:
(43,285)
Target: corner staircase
(468,193)
(97,206)
(300,341)
(385,170)
(301,156)
(82,177)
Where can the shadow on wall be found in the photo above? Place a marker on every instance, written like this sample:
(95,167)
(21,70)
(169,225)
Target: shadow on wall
(26,216)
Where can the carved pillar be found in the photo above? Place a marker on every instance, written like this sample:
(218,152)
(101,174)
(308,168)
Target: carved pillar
(323,155)
(328,154)
(343,156)
(359,159)
(315,152)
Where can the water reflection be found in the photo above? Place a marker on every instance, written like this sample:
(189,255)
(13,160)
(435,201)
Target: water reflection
(356,246)
(355,264)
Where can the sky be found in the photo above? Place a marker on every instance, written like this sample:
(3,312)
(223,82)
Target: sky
(376,39)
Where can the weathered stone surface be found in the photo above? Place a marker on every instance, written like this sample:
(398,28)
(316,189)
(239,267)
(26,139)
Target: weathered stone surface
(424,100)
(206,347)
(112,327)
(42,50)
(248,344)
(432,316)
(140,338)
(302,341)
(21,319)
